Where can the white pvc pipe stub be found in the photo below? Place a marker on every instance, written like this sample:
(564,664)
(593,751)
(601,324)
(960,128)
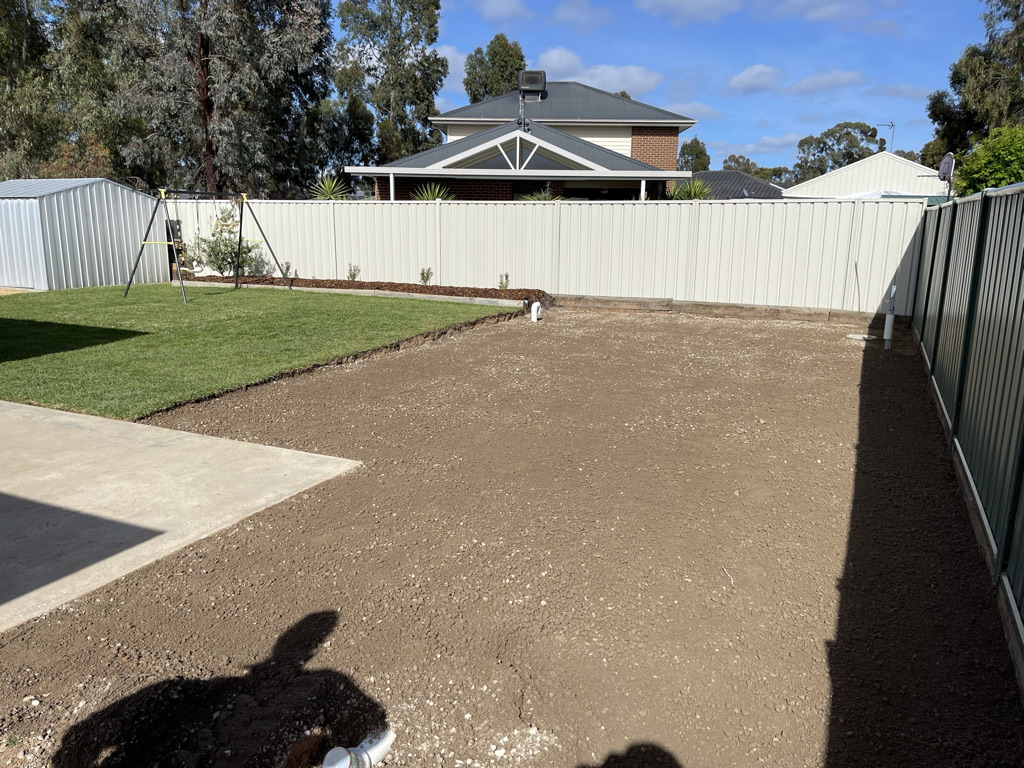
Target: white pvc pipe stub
(370,752)
(535,312)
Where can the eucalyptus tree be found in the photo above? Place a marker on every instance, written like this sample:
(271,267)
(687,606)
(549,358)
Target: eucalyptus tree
(836,147)
(233,93)
(385,58)
(494,71)
(28,129)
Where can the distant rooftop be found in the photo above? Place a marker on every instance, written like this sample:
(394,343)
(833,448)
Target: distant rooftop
(565,102)
(737,185)
(606,158)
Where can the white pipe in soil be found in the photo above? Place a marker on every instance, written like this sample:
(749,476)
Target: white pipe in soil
(890,318)
(370,752)
(535,312)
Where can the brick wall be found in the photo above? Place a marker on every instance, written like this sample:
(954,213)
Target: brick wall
(657,146)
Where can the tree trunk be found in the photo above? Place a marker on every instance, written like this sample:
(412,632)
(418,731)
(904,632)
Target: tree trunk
(206,103)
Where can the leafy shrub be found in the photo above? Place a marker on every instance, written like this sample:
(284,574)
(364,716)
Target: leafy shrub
(353,272)
(425,275)
(503,281)
(992,162)
(220,251)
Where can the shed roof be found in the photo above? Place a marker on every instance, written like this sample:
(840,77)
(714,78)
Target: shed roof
(881,171)
(42,187)
(606,158)
(566,101)
(730,185)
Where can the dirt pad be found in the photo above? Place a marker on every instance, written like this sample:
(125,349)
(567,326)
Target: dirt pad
(598,540)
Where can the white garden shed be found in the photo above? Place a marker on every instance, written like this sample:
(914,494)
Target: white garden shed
(883,171)
(76,233)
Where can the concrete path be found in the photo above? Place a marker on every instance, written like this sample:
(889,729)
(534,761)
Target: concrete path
(84,500)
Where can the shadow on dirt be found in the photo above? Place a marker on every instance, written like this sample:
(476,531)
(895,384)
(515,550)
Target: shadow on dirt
(921,674)
(639,756)
(276,714)
(34,338)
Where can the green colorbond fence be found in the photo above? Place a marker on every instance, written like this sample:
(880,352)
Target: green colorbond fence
(969,318)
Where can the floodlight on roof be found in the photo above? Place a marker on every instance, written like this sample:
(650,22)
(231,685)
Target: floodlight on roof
(533,80)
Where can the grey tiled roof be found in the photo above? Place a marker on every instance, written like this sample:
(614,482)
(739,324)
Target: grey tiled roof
(732,185)
(565,101)
(42,187)
(605,158)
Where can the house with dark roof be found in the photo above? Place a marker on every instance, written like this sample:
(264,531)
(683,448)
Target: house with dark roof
(574,140)
(737,185)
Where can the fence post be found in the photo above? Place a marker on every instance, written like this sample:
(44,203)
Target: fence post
(331,211)
(558,247)
(437,238)
(972,309)
(953,211)
(931,273)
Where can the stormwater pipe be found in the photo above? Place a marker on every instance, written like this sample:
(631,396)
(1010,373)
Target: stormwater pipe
(890,318)
(370,752)
(535,312)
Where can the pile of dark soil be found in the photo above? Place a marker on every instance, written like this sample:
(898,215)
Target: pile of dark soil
(512,294)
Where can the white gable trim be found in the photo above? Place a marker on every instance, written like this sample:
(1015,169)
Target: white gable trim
(519,135)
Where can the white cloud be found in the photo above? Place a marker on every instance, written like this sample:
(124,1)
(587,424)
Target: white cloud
(756,78)
(502,10)
(766,145)
(581,16)
(695,109)
(816,10)
(689,11)
(456,74)
(563,64)
(827,81)
(900,92)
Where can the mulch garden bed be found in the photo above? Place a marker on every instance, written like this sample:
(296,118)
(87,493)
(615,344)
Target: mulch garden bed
(512,294)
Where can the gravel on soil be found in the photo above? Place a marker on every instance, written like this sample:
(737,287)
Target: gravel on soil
(598,540)
(511,294)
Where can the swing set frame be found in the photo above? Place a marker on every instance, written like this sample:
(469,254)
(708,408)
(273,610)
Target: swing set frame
(243,203)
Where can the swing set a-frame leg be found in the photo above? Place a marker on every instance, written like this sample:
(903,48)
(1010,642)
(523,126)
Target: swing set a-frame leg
(161,201)
(252,213)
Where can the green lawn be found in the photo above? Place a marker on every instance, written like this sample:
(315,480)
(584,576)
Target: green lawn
(89,350)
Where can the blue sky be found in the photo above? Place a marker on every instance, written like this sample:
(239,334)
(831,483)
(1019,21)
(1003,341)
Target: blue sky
(757,75)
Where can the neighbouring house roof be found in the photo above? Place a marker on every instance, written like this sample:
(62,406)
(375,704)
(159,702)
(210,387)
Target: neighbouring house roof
(576,148)
(43,187)
(881,171)
(566,102)
(731,185)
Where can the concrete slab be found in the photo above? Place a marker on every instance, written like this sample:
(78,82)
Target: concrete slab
(84,500)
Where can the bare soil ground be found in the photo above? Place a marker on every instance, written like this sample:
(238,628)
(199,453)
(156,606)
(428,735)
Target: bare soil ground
(599,540)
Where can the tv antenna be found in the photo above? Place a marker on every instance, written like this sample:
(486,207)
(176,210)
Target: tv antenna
(892,137)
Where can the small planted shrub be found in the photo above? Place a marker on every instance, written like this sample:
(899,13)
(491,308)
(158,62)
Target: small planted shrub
(220,250)
(503,281)
(425,275)
(432,191)
(353,272)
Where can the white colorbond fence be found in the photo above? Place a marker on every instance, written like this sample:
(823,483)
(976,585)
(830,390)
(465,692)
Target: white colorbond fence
(834,254)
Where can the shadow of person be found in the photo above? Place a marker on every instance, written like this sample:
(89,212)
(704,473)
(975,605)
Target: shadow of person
(639,756)
(278,713)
